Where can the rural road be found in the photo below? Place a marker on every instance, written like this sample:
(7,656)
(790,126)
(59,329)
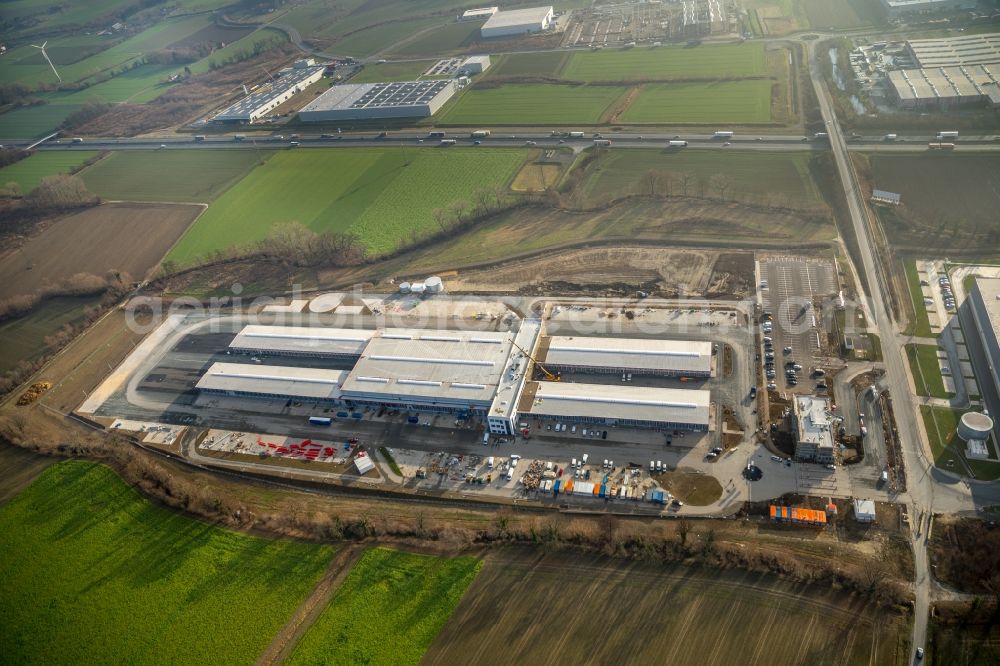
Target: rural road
(920,491)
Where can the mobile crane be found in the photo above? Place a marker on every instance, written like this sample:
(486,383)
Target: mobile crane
(548,375)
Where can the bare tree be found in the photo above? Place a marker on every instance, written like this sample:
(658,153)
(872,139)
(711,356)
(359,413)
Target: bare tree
(685,179)
(440,216)
(683,527)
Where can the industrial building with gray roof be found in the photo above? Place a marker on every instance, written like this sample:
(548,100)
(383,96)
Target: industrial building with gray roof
(951,71)
(985,301)
(360,101)
(476,372)
(257,104)
(614,404)
(650,356)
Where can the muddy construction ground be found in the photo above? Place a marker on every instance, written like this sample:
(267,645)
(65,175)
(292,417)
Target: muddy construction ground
(128,238)
(619,271)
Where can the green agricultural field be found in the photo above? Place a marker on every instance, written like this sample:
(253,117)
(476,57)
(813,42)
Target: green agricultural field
(375,39)
(264,38)
(387,196)
(667,63)
(388,611)
(842,14)
(197,176)
(531,104)
(138,85)
(736,102)
(91,572)
(35,121)
(449,37)
(28,173)
(945,197)
(785,177)
(23,338)
(547,64)
(392,71)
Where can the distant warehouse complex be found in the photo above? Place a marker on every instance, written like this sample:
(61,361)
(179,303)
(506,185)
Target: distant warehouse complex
(517,22)
(362,101)
(482,374)
(258,104)
(896,8)
(953,71)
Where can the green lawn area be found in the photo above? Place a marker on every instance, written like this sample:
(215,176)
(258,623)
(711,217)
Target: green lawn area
(388,610)
(747,101)
(668,62)
(531,104)
(28,173)
(34,122)
(138,85)
(392,71)
(941,426)
(784,176)
(926,372)
(921,325)
(91,572)
(169,175)
(547,64)
(371,192)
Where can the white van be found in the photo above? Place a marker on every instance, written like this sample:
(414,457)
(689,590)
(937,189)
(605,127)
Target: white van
(659,465)
(585,456)
(510,473)
(573,464)
(573,430)
(584,433)
(486,438)
(652,466)
(489,463)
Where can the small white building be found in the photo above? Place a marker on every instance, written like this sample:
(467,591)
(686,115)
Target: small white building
(518,22)
(480,14)
(475,65)
(864,511)
(813,429)
(363,464)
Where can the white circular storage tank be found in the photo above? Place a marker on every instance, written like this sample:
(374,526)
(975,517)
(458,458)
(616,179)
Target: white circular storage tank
(325,302)
(434,285)
(975,425)
(417,288)
(404,287)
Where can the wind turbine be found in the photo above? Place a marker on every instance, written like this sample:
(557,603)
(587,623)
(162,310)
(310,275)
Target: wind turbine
(46,56)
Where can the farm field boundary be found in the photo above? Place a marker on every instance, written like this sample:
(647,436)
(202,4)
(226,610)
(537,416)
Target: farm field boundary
(139,575)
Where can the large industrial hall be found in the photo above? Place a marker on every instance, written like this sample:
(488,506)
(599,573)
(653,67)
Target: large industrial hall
(481,373)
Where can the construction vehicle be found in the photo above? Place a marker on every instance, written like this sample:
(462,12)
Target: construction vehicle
(548,375)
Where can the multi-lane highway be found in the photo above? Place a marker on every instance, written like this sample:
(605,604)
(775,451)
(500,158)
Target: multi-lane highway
(507,138)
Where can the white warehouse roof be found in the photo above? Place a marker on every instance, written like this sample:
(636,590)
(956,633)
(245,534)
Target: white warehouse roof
(310,383)
(616,402)
(449,367)
(630,354)
(312,340)
(513,18)
(815,422)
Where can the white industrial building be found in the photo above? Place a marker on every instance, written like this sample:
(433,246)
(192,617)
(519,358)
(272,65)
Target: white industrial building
(271,381)
(480,373)
(813,429)
(616,404)
(301,341)
(864,511)
(896,8)
(644,356)
(480,14)
(361,101)
(518,22)
(985,304)
(475,65)
(290,82)
(950,71)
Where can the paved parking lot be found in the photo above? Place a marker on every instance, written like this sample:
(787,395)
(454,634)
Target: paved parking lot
(787,290)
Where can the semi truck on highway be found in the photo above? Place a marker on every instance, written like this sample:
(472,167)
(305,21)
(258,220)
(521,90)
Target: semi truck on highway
(602,142)
(946,135)
(723,135)
(320,420)
(941,146)
(447,142)
(889,137)
(480,134)
(576,135)
(677,144)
